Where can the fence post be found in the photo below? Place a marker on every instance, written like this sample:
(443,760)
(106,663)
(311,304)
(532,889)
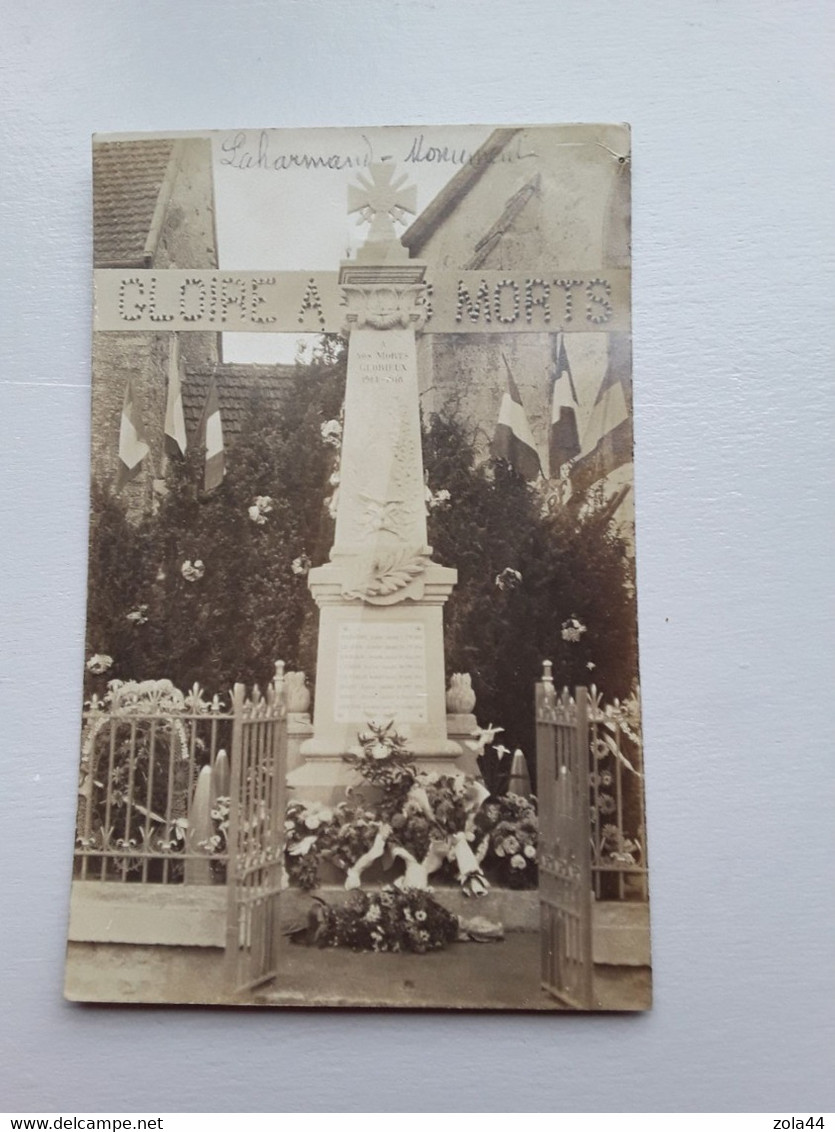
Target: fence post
(581,695)
(233,838)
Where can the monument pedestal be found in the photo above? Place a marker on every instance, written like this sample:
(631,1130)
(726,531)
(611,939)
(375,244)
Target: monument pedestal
(299,730)
(381,663)
(461,728)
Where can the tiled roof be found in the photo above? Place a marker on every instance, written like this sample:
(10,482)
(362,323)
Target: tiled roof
(127,178)
(236,384)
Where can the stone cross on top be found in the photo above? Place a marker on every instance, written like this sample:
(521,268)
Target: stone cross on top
(381,201)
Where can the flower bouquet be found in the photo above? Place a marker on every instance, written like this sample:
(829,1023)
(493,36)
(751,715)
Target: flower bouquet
(507,830)
(304,827)
(436,824)
(384,763)
(425,820)
(342,836)
(398,920)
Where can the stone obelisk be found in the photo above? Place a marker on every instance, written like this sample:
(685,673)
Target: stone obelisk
(380,597)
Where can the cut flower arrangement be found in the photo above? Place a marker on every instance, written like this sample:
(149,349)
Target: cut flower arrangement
(394,919)
(510,827)
(426,820)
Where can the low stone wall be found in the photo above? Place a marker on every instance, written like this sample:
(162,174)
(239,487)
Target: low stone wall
(195,916)
(185,915)
(620,933)
(120,972)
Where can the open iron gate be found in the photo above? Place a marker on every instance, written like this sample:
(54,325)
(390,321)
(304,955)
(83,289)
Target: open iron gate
(256,837)
(565,887)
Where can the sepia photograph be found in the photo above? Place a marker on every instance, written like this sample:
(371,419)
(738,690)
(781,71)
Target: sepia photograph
(362,719)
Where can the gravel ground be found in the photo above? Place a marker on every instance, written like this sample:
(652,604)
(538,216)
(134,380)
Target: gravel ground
(466,975)
(503,975)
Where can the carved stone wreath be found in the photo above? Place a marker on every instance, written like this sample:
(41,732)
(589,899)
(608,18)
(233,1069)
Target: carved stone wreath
(384,574)
(384,307)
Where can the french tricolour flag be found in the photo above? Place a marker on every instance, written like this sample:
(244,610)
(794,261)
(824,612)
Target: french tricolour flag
(607,438)
(513,440)
(175,424)
(564,441)
(133,446)
(210,437)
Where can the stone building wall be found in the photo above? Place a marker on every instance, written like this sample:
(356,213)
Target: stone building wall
(142,358)
(554,211)
(188,237)
(568,209)
(160,203)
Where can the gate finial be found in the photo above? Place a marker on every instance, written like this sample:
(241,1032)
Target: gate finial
(548,672)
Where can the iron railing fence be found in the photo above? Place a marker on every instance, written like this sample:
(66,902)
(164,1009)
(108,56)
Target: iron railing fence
(565,889)
(154,792)
(258,799)
(153,800)
(616,788)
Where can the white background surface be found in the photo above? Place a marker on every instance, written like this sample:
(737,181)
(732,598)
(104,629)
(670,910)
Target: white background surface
(731,108)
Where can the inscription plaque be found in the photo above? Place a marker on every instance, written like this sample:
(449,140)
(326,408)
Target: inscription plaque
(381,672)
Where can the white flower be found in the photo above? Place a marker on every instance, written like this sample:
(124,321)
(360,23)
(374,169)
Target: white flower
(193,571)
(590,665)
(332,503)
(318,816)
(300,565)
(99,663)
(437,498)
(529,851)
(334,479)
(517,861)
(138,616)
(572,630)
(482,738)
(331,433)
(259,510)
(509,579)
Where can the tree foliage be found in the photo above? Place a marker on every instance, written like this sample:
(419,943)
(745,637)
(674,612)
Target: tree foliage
(524,568)
(248,607)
